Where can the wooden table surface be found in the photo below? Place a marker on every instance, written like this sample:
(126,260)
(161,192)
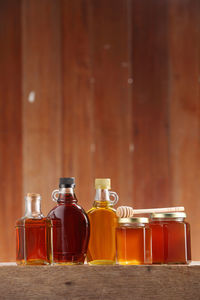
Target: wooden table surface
(100,282)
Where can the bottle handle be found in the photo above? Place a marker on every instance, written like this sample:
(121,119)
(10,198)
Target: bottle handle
(53,195)
(114,196)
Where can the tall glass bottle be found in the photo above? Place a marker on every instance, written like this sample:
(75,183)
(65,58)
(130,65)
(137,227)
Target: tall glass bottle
(70,225)
(103,221)
(33,236)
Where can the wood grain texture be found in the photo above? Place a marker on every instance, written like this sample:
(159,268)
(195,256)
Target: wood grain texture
(10,125)
(151,173)
(100,282)
(111,96)
(116,88)
(77,114)
(42,138)
(184,24)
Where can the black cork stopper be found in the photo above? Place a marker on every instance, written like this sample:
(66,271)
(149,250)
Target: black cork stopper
(67,182)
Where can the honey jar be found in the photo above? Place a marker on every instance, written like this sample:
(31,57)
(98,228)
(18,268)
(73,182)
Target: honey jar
(133,239)
(170,238)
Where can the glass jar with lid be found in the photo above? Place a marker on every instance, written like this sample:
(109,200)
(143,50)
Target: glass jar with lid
(170,238)
(133,238)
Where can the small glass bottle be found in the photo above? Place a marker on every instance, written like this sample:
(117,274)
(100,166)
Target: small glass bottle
(33,234)
(103,221)
(133,237)
(170,238)
(70,225)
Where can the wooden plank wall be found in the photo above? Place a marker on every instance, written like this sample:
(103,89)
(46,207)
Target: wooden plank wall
(10,125)
(184,110)
(42,100)
(151,168)
(99,89)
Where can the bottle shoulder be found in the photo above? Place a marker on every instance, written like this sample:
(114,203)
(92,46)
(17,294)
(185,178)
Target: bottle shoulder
(21,221)
(97,210)
(26,220)
(64,208)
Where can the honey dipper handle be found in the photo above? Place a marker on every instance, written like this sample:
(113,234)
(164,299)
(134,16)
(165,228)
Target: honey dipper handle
(157,210)
(128,211)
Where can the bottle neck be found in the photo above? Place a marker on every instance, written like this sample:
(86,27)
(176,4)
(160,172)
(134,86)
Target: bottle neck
(33,207)
(66,195)
(102,198)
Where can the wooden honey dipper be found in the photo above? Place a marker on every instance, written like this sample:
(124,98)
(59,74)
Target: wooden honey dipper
(128,211)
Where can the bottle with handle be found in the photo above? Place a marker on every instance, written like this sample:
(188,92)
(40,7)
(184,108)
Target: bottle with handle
(103,222)
(70,225)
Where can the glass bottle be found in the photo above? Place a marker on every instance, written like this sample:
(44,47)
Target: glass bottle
(103,222)
(33,234)
(133,241)
(170,238)
(70,225)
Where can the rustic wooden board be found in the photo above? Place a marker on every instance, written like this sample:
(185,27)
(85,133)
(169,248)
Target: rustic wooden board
(184,111)
(42,140)
(10,125)
(150,103)
(100,282)
(77,113)
(113,157)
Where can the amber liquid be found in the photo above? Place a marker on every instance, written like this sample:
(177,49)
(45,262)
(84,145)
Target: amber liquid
(102,245)
(170,242)
(133,245)
(33,241)
(70,226)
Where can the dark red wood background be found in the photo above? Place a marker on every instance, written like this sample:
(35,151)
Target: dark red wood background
(104,88)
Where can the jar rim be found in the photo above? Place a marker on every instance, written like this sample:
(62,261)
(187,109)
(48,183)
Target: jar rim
(168,215)
(132,220)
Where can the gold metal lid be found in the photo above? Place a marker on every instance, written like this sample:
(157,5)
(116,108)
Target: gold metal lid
(168,215)
(132,220)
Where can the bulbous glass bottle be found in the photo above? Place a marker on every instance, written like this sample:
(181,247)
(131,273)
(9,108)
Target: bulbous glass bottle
(70,226)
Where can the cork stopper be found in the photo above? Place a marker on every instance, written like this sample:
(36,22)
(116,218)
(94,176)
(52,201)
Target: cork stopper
(33,195)
(102,183)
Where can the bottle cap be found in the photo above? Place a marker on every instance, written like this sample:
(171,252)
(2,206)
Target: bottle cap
(168,215)
(102,183)
(133,220)
(67,182)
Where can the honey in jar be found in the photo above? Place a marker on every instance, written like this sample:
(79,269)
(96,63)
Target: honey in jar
(170,238)
(133,238)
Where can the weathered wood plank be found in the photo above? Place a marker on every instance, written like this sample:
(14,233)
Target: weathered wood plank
(151,174)
(77,114)
(184,26)
(111,65)
(42,140)
(10,125)
(100,282)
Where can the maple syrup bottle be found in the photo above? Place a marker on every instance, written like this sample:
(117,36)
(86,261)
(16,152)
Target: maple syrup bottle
(33,234)
(70,225)
(103,222)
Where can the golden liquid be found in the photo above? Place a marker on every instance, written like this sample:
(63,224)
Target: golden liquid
(133,245)
(33,241)
(102,245)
